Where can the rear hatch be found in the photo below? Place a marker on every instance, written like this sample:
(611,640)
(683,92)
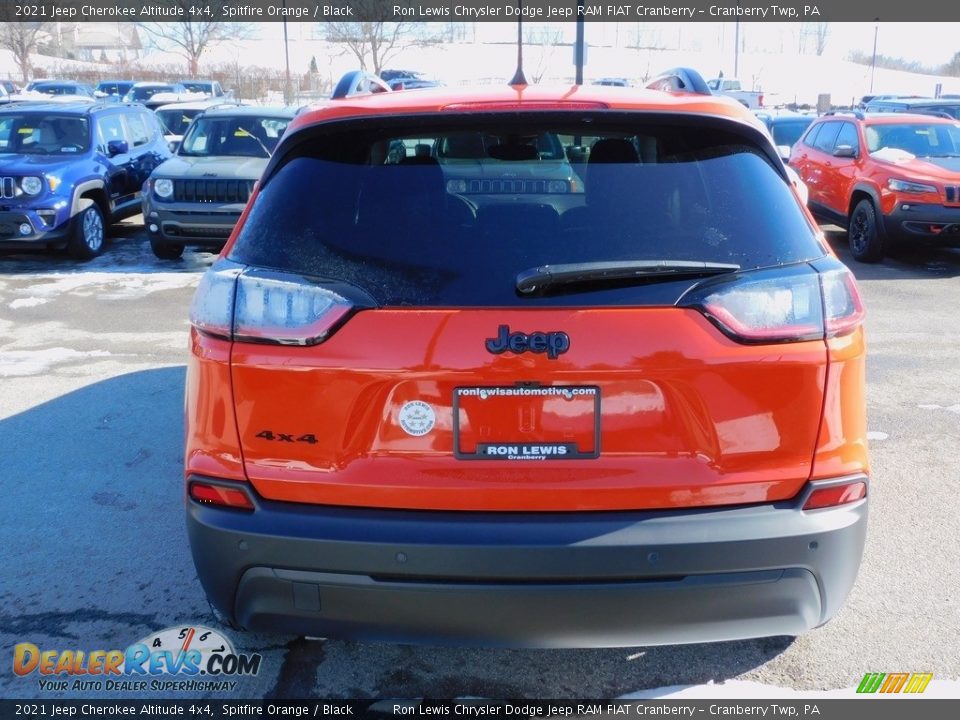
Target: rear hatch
(648,336)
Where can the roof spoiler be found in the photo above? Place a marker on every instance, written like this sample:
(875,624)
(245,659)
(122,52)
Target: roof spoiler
(358,82)
(680,79)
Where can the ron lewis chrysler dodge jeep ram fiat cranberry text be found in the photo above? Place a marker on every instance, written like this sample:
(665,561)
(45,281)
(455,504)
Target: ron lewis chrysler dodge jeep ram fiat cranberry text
(449,384)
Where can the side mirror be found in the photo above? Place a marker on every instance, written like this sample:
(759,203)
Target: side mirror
(173,145)
(844,151)
(784,152)
(117,147)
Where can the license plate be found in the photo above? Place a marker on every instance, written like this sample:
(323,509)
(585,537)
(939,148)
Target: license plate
(526,423)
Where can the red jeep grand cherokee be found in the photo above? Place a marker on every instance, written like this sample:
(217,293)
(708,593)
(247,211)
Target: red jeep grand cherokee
(499,407)
(891,179)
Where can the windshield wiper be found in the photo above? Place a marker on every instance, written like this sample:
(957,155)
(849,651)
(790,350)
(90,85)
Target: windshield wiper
(616,271)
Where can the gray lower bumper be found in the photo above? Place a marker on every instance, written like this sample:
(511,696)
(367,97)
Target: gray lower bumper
(529,580)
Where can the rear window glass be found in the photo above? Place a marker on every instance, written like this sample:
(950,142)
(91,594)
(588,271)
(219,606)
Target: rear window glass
(449,216)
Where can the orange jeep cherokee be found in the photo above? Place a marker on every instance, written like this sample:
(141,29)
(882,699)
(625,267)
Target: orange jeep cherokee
(448,385)
(890,179)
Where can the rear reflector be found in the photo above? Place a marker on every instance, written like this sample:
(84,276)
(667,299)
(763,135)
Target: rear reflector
(219,495)
(836,495)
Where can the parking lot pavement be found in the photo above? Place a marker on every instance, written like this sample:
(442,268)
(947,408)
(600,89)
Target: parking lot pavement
(91,369)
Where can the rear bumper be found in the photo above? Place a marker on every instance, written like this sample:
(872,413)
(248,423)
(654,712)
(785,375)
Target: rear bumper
(924,223)
(602,579)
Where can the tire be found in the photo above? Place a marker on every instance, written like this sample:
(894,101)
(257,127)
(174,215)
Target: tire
(863,233)
(88,235)
(165,251)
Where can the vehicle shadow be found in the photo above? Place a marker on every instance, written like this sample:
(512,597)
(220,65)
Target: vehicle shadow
(905,262)
(127,251)
(93,520)
(341,669)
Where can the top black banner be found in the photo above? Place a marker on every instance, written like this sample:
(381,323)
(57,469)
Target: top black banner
(474,11)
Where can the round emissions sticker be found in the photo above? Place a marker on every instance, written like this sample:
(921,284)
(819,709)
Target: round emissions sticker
(417,418)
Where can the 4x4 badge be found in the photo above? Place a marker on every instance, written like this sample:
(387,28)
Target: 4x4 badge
(553,344)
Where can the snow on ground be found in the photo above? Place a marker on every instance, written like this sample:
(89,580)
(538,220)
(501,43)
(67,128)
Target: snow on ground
(21,363)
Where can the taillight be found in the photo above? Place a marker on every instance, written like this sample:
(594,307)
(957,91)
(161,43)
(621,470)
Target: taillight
(271,307)
(782,305)
(267,307)
(836,495)
(842,308)
(220,495)
(211,311)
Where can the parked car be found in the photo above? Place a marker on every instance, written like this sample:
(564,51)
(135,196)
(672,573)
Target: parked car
(113,89)
(412,84)
(210,88)
(633,417)
(153,94)
(890,179)
(67,170)
(731,87)
(9,87)
(923,106)
(785,127)
(612,82)
(60,87)
(486,167)
(176,118)
(196,197)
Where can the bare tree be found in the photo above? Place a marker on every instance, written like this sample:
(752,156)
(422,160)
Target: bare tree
(373,43)
(547,39)
(21,38)
(818,32)
(189,39)
(821,31)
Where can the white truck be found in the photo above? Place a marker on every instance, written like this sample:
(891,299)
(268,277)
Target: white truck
(731,87)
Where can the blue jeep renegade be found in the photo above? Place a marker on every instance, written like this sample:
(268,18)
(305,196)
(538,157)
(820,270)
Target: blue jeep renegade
(68,170)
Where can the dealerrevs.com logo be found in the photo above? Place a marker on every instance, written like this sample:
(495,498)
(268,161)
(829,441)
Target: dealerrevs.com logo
(187,658)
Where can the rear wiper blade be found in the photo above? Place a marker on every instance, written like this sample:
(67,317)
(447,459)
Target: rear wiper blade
(616,271)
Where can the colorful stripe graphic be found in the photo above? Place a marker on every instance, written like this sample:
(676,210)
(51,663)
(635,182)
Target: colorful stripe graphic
(894,682)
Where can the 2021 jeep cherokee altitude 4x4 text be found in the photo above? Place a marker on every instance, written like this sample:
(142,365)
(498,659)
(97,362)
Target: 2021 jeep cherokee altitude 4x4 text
(511,410)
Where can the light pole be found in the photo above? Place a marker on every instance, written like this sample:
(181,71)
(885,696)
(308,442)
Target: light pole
(736,49)
(578,47)
(287,99)
(873,65)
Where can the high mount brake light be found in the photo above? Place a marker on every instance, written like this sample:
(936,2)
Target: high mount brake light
(266,307)
(771,306)
(495,105)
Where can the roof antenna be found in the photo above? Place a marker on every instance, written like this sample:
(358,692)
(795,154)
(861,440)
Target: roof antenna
(518,77)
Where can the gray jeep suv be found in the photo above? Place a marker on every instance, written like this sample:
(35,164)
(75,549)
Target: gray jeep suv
(196,197)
